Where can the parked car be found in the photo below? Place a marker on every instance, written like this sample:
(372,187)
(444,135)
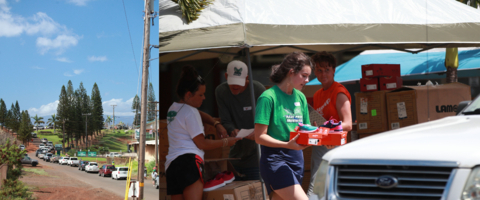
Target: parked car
(41,145)
(62,160)
(41,155)
(49,143)
(54,158)
(436,159)
(73,161)
(44,150)
(47,156)
(106,170)
(120,172)
(44,140)
(38,151)
(82,164)
(22,147)
(34,135)
(91,167)
(113,154)
(28,160)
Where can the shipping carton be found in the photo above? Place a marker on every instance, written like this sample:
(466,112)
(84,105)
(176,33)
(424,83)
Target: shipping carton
(313,138)
(378,70)
(416,104)
(237,190)
(371,111)
(368,84)
(335,138)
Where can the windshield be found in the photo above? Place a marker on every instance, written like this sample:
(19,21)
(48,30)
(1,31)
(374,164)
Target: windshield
(110,167)
(123,169)
(473,107)
(73,158)
(93,164)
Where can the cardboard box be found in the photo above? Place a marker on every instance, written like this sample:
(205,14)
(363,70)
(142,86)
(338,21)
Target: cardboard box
(390,82)
(237,190)
(416,104)
(378,70)
(371,111)
(335,138)
(368,84)
(313,138)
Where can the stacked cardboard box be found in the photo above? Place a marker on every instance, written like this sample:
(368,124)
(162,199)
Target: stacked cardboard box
(371,112)
(380,77)
(416,104)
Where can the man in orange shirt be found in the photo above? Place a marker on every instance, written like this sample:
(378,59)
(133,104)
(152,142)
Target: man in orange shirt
(332,102)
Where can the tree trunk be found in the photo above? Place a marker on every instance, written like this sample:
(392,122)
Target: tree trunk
(452,75)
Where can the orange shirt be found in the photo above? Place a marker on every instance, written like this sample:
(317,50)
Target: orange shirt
(324,100)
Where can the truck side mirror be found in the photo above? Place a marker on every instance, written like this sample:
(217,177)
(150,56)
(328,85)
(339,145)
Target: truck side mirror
(462,105)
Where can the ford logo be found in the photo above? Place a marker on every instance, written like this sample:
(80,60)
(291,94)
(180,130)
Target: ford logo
(386,182)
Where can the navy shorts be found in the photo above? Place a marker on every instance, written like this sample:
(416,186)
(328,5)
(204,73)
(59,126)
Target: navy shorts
(182,172)
(280,167)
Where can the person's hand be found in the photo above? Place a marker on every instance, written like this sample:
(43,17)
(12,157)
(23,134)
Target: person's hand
(251,136)
(221,131)
(232,140)
(292,144)
(330,146)
(234,133)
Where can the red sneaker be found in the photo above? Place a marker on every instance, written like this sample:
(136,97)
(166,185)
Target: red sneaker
(213,184)
(227,176)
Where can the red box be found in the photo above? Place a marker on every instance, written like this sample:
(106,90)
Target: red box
(335,138)
(368,84)
(390,83)
(378,70)
(313,138)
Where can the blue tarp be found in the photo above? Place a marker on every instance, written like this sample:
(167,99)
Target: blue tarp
(410,64)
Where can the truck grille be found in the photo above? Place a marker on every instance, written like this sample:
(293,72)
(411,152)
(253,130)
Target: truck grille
(414,182)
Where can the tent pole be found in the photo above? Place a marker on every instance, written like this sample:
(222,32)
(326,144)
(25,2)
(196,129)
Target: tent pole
(252,97)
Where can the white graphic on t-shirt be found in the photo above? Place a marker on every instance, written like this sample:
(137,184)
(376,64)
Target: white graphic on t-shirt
(293,117)
(320,109)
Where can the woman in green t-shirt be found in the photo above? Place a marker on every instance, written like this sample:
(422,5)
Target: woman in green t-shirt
(279,110)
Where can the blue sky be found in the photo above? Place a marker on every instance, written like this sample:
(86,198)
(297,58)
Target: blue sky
(44,44)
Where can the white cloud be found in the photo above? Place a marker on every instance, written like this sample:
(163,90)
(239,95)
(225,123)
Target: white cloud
(79,2)
(44,110)
(78,71)
(37,67)
(97,58)
(63,59)
(123,108)
(60,43)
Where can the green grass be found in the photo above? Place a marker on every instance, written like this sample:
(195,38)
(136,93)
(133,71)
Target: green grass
(93,159)
(36,171)
(114,145)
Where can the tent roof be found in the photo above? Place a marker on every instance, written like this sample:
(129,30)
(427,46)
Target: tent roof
(410,64)
(316,25)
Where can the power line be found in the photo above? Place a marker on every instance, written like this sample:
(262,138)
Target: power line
(130,35)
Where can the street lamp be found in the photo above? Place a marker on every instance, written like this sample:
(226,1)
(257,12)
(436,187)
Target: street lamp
(86,122)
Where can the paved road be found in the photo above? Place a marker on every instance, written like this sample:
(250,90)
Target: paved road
(107,183)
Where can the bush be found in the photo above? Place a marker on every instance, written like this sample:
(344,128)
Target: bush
(13,190)
(11,154)
(150,166)
(72,152)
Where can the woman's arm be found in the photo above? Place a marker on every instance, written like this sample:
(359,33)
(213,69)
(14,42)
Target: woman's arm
(262,138)
(344,111)
(207,144)
(207,119)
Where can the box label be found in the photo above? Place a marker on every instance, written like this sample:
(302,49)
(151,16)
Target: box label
(313,141)
(391,85)
(369,72)
(343,141)
(363,106)
(402,110)
(395,125)
(362,125)
(228,197)
(372,87)
(374,112)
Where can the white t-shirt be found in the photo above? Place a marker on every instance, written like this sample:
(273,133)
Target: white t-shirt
(184,123)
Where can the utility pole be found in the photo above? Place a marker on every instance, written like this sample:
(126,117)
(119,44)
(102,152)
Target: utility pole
(86,127)
(143,124)
(113,115)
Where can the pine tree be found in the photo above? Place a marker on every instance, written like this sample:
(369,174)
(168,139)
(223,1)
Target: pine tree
(17,115)
(97,109)
(3,112)
(84,103)
(136,109)
(62,110)
(151,106)
(71,124)
(24,132)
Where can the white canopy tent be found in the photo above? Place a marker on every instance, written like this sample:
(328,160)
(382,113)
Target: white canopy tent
(281,26)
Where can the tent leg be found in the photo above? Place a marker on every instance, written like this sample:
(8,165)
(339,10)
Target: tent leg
(252,97)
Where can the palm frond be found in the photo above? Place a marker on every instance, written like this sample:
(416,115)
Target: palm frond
(191,9)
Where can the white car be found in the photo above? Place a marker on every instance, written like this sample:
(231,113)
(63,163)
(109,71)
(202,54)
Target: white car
(41,146)
(63,160)
(120,172)
(91,167)
(73,162)
(439,159)
(113,154)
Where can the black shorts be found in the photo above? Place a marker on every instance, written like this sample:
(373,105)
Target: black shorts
(182,172)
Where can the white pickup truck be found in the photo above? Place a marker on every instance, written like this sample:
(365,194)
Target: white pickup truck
(73,162)
(434,160)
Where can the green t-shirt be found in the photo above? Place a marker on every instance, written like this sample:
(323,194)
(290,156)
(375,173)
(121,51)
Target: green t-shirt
(281,112)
